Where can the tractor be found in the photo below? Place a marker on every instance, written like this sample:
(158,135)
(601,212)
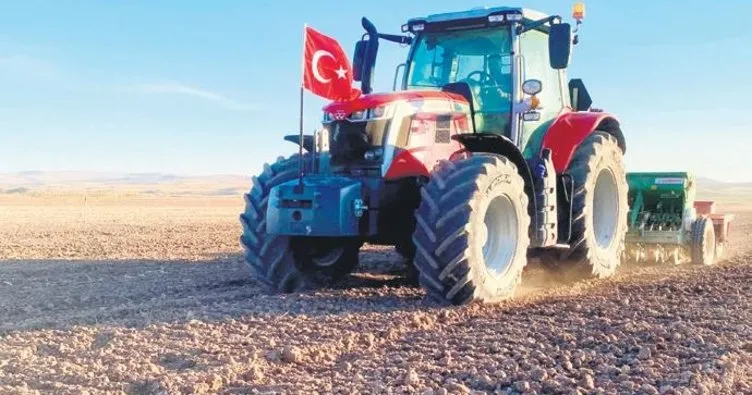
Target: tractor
(487,155)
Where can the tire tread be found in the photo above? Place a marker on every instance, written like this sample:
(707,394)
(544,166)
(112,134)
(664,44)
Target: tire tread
(442,236)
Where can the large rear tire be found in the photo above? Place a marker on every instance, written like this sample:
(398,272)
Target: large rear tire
(289,264)
(703,242)
(600,207)
(472,231)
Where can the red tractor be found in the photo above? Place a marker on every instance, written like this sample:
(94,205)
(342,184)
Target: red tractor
(487,155)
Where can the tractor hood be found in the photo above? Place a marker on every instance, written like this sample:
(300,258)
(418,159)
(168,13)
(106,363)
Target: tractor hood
(341,110)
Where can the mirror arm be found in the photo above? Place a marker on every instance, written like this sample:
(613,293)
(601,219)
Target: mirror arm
(534,25)
(371,48)
(396,39)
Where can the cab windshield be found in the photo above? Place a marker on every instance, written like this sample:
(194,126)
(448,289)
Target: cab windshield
(480,57)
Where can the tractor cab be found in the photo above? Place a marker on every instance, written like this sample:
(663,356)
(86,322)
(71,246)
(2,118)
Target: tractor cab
(509,64)
(475,63)
(497,72)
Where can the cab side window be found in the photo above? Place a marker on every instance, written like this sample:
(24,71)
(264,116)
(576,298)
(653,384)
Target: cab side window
(534,46)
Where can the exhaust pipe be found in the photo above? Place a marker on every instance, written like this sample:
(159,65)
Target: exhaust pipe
(369,56)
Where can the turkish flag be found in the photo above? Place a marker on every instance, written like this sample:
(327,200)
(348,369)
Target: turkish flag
(326,68)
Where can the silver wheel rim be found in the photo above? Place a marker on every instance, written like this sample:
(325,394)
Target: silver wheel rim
(500,238)
(328,259)
(605,208)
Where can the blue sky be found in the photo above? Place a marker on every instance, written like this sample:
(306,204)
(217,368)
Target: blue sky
(197,87)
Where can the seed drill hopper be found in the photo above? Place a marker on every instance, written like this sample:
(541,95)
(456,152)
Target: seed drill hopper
(667,224)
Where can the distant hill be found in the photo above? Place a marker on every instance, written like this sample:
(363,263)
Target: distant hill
(76,177)
(152,183)
(713,183)
(711,189)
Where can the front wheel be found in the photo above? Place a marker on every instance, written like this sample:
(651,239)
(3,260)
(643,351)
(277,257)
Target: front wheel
(325,260)
(472,230)
(289,264)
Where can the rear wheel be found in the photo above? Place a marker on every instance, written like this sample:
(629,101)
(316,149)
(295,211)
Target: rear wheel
(703,242)
(472,231)
(289,264)
(600,207)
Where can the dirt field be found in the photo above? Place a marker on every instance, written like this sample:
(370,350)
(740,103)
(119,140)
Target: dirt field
(148,295)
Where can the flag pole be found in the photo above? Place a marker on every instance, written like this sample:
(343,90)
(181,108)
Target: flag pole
(302,84)
(300,145)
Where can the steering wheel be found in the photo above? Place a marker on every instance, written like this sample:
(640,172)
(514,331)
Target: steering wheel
(482,76)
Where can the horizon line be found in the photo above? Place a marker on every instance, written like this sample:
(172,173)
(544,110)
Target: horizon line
(194,175)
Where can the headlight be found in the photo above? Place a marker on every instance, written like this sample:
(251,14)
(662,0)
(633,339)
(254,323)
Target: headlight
(381,112)
(378,112)
(359,115)
(373,154)
(496,18)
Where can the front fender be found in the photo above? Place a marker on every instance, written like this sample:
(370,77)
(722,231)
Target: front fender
(495,143)
(570,129)
(295,139)
(498,144)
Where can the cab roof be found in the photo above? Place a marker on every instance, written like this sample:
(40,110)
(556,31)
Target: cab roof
(480,12)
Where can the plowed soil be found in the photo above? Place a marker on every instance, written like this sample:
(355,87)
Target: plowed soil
(147,295)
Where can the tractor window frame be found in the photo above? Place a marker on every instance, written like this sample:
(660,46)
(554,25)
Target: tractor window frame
(460,63)
(551,78)
(555,94)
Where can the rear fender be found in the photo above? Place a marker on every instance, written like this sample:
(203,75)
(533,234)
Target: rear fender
(498,144)
(570,129)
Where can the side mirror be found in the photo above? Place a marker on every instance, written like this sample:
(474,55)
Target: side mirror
(559,45)
(358,58)
(532,87)
(581,100)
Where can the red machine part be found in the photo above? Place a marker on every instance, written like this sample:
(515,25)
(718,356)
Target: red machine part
(567,132)
(426,145)
(705,207)
(721,222)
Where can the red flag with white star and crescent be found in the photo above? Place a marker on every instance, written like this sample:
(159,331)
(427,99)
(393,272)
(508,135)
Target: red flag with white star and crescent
(326,67)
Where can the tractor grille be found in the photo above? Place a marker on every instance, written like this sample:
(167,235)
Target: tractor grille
(349,141)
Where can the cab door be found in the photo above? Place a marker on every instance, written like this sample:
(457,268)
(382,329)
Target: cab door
(535,65)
